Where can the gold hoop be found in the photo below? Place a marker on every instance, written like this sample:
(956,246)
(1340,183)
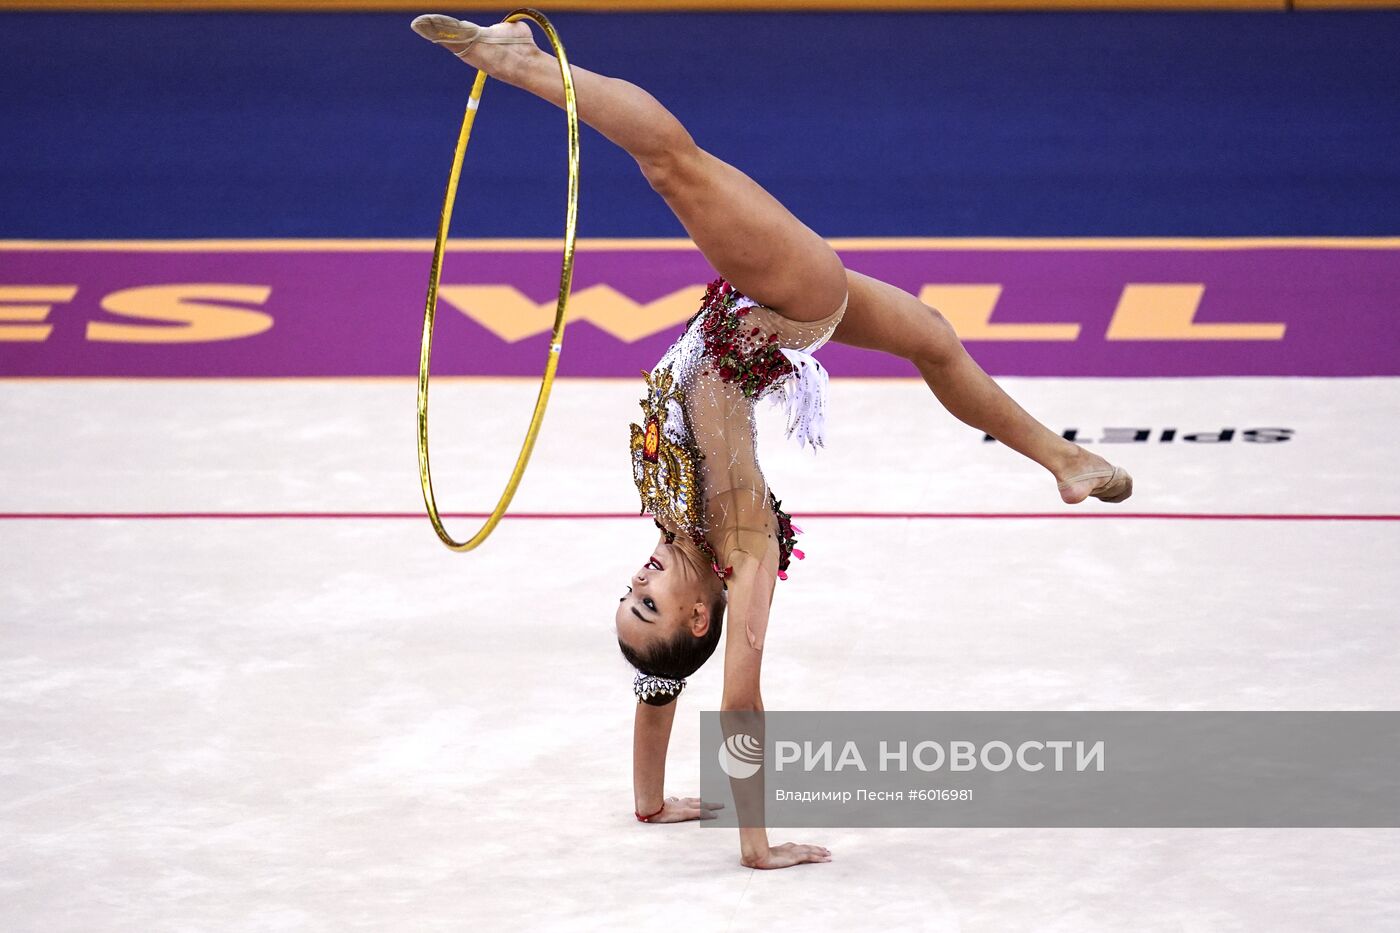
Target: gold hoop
(566,276)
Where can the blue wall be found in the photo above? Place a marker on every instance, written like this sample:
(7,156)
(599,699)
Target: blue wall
(246,125)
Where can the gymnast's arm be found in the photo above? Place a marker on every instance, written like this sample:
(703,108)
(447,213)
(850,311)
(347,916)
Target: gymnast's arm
(750,598)
(741,704)
(651,733)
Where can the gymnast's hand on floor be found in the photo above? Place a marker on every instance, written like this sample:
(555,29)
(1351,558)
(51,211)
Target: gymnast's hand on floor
(787,855)
(680,809)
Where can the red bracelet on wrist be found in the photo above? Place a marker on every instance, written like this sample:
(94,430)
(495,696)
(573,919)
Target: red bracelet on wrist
(647,818)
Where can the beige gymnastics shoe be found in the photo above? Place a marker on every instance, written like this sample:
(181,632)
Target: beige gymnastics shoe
(1114,485)
(458,35)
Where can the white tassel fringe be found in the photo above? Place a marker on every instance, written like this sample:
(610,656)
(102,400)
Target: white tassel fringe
(803,396)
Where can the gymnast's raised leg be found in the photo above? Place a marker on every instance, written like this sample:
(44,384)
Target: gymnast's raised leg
(883,317)
(771,256)
(749,238)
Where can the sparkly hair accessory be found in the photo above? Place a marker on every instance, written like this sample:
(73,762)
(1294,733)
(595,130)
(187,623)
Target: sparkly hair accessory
(646,686)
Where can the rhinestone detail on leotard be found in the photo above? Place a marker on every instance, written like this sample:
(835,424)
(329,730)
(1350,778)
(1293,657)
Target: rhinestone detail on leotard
(694,456)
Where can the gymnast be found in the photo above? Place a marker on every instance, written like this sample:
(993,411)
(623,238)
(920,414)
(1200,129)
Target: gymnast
(783,292)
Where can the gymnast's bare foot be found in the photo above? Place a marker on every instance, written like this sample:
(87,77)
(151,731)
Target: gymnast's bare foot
(493,49)
(1087,474)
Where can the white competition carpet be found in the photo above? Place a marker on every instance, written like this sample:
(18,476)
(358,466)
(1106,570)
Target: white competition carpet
(318,718)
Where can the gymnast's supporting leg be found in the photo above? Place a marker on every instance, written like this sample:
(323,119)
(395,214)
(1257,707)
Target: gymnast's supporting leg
(742,230)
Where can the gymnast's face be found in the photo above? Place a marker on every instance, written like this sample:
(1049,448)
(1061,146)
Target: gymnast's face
(665,596)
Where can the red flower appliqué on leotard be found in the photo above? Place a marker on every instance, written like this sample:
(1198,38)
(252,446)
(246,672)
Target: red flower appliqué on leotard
(740,354)
(787,537)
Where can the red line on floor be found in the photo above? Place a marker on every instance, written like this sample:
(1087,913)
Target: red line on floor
(274,516)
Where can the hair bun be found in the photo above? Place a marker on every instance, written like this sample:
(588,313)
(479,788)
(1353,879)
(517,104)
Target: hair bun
(656,691)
